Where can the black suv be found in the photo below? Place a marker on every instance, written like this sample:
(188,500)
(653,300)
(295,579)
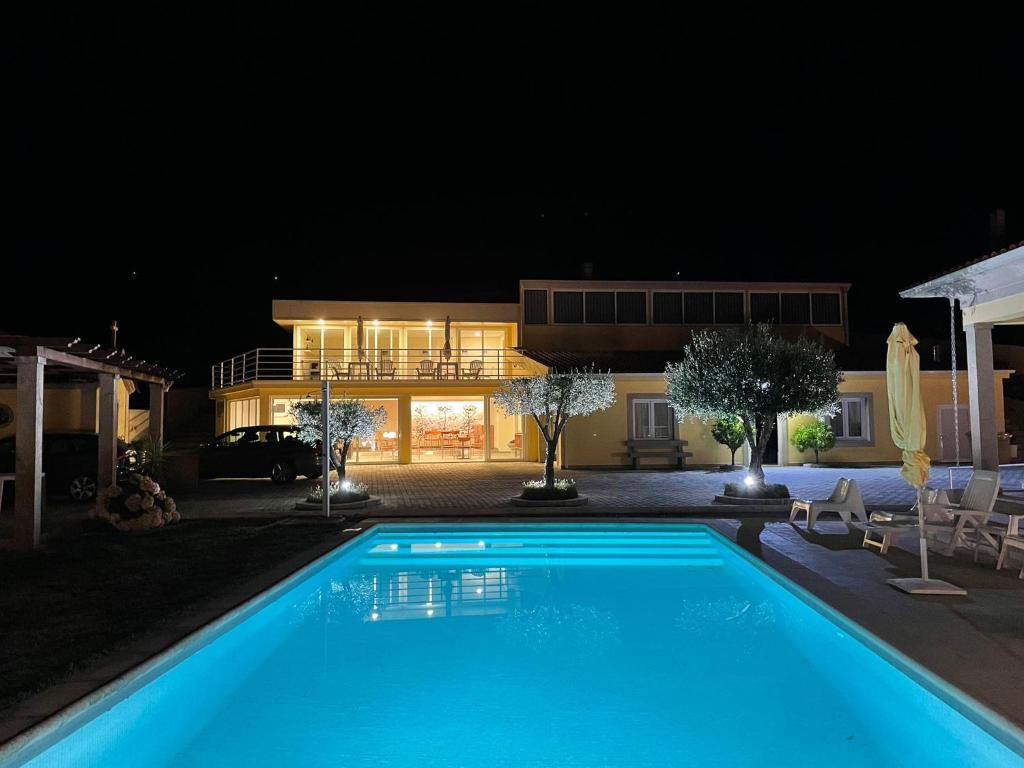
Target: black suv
(262,451)
(69,461)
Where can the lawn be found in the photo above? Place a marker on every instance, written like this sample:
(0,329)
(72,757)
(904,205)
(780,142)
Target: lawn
(65,608)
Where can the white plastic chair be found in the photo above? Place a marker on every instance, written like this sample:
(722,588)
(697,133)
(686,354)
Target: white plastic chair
(974,509)
(1011,542)
(845,501)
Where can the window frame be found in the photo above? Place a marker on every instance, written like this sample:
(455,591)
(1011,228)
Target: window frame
(867,436)
(650,399)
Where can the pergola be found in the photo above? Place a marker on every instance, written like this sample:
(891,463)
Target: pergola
(991,292)
(27,358)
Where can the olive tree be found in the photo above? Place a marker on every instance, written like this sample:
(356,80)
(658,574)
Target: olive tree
(553,399)
(752,374)
(347,419)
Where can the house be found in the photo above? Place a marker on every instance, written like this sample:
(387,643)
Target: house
(439,403)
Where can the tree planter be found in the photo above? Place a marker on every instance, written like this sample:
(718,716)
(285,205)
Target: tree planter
(316,506)
(577,501)
(747,501)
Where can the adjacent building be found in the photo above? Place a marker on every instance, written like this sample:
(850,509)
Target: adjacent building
(434,367)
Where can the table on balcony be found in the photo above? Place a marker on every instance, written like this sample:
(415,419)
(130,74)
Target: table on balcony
(447,370)
(360,370)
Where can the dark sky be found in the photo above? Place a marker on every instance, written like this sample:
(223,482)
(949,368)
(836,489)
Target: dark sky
(171,159)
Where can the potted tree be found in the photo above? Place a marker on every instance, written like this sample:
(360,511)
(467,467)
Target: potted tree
(753,374)
(816,436)
(729,432)
(551,400)
(348,419)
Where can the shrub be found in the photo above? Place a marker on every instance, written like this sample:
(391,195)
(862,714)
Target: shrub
(538,490)
(815,435)
(342,492)
(138,504)
(729,432)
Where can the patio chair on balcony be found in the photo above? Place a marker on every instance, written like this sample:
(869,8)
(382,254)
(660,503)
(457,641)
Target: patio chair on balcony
(474,369)
(386,369)
(425,370)
(845,501)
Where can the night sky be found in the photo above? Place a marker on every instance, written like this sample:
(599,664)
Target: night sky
(177,165)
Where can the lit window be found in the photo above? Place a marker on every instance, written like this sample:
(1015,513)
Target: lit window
(653,419)
(853,422)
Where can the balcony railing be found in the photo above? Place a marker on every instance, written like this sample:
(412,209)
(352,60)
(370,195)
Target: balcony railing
(282,364)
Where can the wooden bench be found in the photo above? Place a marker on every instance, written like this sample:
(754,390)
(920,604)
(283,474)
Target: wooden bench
(657,449)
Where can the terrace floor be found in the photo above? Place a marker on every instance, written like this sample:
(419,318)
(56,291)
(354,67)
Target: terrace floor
(486,488)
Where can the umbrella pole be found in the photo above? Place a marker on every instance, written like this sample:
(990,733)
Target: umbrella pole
(925,585)
(922,541)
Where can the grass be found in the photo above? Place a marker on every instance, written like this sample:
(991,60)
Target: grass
(65,608)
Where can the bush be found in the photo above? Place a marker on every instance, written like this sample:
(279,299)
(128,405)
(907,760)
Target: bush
(729,432)
(755,491)
(342,492)
(816,436)
(536,490)
(136,505)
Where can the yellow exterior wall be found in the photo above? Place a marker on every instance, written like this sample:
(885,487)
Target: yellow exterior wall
(69,408)
(936,390)
(599,440)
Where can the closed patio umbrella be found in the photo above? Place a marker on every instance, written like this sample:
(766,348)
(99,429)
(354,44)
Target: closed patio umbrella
(359,337)
(447,351)
(909,432)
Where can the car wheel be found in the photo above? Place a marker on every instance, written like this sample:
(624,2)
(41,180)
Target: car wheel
(282,472)
(82,488)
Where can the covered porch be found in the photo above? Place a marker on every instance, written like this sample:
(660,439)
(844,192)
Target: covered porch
(34,361)
(990,292)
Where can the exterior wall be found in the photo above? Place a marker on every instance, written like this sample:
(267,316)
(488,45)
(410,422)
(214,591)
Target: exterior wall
(935,390)
(70,408)
(652,336)
(599,440)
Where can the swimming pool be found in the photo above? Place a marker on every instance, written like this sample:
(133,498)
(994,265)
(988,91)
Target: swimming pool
(532,645)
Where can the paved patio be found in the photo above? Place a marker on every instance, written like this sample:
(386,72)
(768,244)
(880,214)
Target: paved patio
(485,488)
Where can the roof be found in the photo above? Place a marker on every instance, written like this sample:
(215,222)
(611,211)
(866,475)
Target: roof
(965,265)
(645,361)
(863,357)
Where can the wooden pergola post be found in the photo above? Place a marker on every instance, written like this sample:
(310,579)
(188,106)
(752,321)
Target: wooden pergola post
(28,460)
(156,413)
(107,474)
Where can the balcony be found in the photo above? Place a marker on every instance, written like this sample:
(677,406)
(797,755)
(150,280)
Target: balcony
(424,365)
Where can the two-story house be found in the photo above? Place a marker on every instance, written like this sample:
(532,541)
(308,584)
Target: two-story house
(434,367)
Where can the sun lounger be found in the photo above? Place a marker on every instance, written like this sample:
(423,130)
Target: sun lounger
(845,501)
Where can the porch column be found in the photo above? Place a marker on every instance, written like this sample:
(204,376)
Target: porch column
(156,413)
(28,459)
(981,383)
(107,474)
(405,429)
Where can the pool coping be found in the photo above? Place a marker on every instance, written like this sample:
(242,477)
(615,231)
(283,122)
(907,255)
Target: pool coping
(53,713)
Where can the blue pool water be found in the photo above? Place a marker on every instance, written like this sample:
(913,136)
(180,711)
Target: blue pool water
(538,645)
